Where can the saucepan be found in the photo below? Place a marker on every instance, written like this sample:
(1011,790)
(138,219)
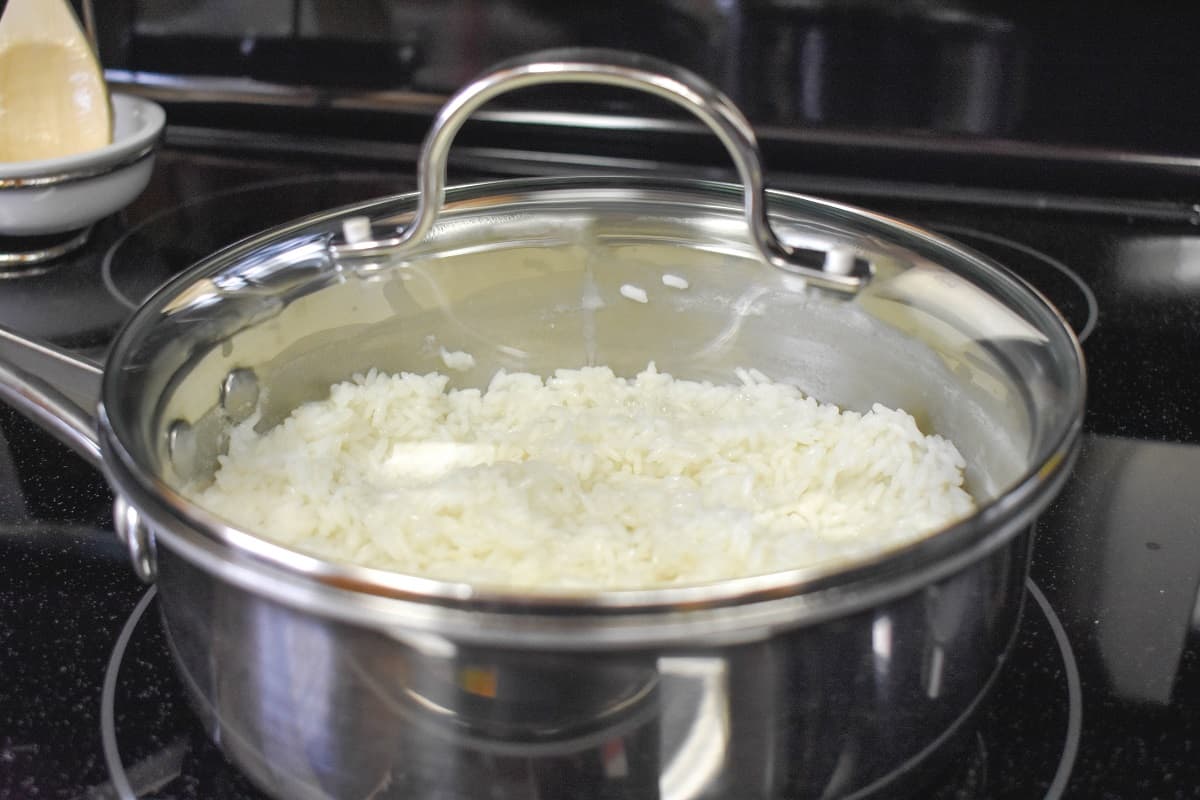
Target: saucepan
(330,680)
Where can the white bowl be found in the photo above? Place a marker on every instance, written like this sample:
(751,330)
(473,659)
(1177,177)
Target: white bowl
(56,195)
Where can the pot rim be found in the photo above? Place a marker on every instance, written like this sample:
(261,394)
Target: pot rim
(215,544)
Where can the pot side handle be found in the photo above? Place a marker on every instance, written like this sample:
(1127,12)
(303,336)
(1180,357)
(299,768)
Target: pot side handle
(58,390)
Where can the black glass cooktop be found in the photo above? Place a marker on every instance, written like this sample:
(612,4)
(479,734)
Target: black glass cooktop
(1100,698)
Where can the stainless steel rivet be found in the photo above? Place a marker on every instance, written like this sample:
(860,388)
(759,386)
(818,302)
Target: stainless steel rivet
(239,394)
(138,539)
(181,448)
(839,261)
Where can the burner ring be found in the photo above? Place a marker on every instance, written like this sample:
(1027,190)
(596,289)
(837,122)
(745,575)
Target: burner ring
(108,728)
(1082,320)
(163,244)
(1066,764)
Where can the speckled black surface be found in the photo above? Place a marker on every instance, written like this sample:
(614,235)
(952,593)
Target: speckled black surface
(1118,555)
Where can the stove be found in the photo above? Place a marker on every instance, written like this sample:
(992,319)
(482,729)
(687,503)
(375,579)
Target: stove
(1100,694)
(983,137)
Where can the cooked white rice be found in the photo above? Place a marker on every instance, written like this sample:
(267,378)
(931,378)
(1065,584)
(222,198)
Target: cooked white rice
(586,479)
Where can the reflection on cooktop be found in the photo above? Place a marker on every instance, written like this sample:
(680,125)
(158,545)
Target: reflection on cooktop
(1118,557)
(1143,380)
(1128,562)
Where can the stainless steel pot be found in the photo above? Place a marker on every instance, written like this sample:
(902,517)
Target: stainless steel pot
(331,680)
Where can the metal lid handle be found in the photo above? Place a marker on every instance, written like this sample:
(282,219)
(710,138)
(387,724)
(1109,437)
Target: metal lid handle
(632,71)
